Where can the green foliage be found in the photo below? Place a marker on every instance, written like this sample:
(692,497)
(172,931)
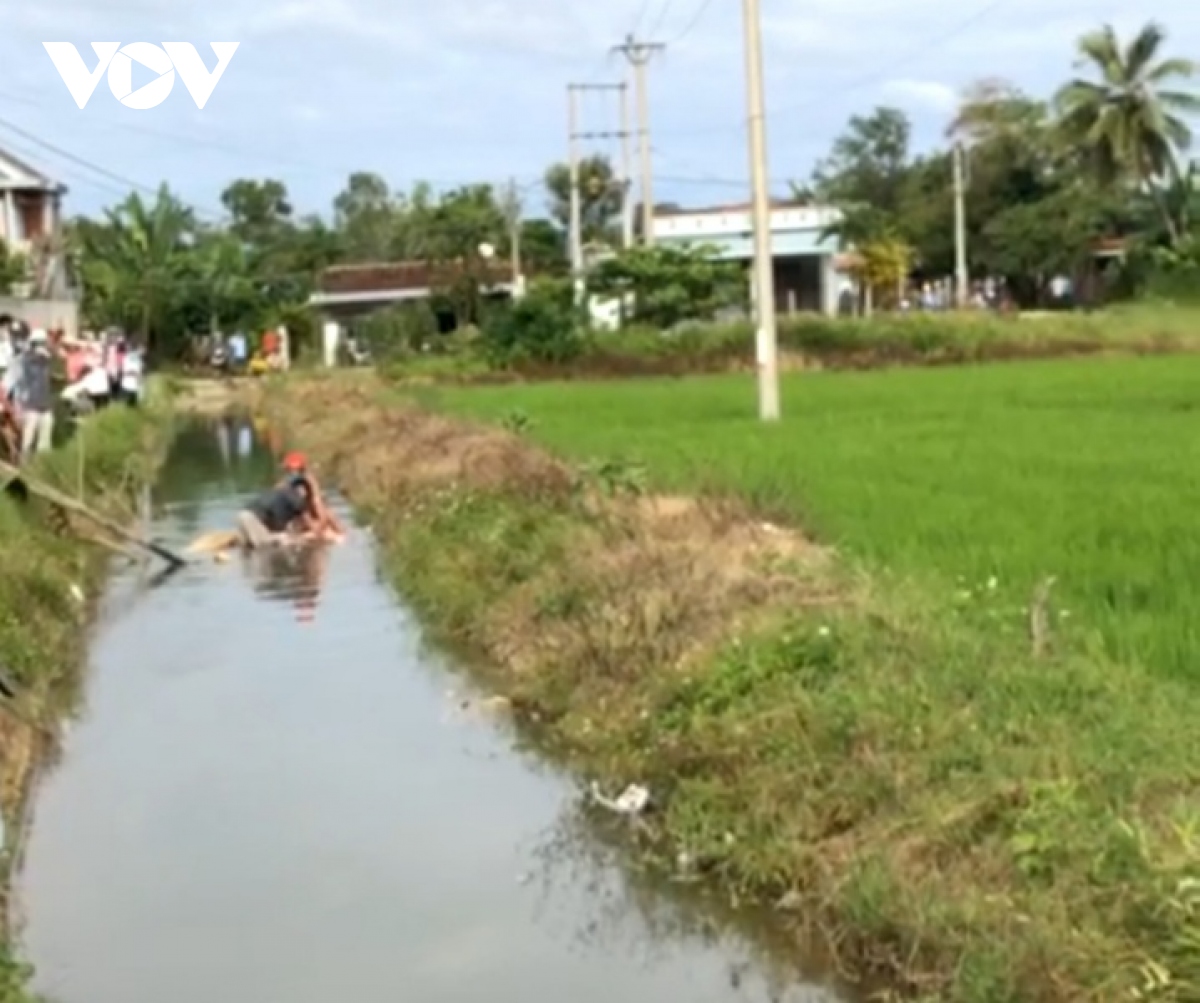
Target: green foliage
(13,269)
(541,327)
(669,285)
(400,331)
(1045,180)
(600,197)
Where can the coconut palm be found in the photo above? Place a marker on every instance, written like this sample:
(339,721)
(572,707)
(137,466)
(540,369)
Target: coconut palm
(1131,125)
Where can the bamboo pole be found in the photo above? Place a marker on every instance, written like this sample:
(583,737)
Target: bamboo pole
(57,497)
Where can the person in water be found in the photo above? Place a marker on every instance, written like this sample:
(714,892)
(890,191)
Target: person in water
(279,516)
(295,467)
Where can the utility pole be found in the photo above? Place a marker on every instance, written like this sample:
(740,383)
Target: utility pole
(511,205)
(764,264)
(626,173)
(961,277)
(575,224)
(639,54)
(575,231)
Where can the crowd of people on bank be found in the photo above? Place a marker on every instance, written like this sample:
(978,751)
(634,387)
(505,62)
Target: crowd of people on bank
(97,369)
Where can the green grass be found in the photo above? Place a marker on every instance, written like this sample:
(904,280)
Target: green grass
(966,821)
(1086,470)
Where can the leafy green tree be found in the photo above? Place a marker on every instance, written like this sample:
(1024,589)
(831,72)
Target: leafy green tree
(600,197)
(13,269)
(135,264)
(669,285)
(1131,123)
(366,216)
(260,210)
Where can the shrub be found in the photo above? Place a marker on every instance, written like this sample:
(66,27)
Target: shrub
(544,326)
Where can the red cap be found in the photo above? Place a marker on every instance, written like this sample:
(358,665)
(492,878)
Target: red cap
(295,462)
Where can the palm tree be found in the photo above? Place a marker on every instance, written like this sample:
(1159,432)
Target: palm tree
(1131,124)
(133,263)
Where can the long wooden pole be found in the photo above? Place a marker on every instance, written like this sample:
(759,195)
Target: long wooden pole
(56,497)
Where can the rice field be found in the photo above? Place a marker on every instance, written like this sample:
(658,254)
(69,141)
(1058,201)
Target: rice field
(1085,470)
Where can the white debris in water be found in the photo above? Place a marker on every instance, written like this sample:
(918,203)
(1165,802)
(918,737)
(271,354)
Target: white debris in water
(633,799)
(77,594)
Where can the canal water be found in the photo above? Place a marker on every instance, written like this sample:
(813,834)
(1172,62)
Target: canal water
(274,795)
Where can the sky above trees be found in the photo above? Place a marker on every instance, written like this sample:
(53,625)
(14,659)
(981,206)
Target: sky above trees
(473,90)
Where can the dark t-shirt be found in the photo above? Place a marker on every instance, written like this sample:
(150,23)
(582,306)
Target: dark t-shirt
(279,508)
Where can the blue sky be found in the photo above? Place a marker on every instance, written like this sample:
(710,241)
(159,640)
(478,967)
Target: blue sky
(452,91)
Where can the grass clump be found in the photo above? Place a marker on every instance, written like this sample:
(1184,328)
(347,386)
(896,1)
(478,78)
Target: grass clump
(966,820)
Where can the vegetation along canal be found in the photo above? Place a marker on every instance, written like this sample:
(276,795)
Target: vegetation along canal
(272,795)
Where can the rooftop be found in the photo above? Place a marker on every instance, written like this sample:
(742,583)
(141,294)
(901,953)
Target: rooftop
(17,175)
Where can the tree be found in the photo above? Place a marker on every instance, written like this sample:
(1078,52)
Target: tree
(135,264)
(13,269)
(669,284)
(868,162)
(366,216)
(1130,124)
(259,209)
(600,196)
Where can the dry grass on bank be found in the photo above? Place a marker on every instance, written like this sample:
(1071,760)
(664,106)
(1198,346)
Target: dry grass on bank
(965,821)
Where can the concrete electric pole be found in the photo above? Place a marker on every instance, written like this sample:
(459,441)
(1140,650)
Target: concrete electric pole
(766,349)
(626,173)
(639,55)
(961,277)
(575,214)
(574,135)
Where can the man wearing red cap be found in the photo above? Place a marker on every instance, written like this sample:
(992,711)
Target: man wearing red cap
(295,466)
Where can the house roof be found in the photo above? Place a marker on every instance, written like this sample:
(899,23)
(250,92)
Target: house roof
(380,277)
(16,174)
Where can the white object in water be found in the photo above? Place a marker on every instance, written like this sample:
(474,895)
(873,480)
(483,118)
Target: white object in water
(633,799)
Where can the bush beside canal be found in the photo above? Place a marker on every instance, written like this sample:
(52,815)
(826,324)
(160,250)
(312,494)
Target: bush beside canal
(963,818)
(551,346)
(48,579)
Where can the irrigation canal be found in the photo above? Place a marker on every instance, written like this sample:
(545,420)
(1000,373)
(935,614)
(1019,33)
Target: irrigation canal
(273,794)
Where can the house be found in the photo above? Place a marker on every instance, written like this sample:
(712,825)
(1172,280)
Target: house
(806,256)
(31,226)
(347,292)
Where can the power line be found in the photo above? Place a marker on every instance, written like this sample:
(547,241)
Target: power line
(89,165)
(662,16)
(864,81)
(697,17)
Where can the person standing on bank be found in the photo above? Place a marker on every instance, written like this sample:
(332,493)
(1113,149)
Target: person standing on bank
(35,395)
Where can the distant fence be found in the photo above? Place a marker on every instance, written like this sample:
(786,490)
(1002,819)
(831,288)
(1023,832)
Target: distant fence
(49,314)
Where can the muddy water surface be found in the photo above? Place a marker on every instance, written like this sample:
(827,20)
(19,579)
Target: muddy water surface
(272,796)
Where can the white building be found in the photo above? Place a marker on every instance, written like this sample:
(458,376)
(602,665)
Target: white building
(30,204)
(31,226)
(806,259)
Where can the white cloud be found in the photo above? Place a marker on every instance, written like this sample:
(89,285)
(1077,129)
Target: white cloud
(455,89)
(927,94)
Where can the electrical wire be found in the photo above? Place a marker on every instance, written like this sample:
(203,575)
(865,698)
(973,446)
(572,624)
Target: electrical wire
(697,16)
(858,83)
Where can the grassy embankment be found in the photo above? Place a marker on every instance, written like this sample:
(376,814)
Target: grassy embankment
(808,341)
(966,818)
(48,578)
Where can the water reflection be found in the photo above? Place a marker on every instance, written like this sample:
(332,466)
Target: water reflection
(634,912)
(258,810)
(292,575)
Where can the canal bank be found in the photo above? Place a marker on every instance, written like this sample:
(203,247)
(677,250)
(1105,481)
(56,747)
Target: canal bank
(50,582)
(871,759)
(277,791)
